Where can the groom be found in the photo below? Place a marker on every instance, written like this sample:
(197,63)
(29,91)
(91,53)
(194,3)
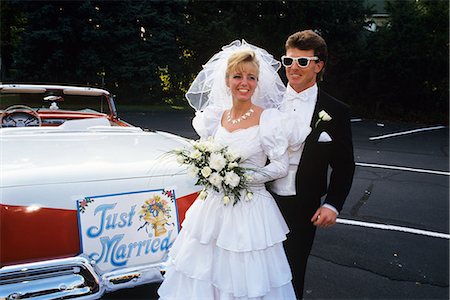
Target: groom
(328,145)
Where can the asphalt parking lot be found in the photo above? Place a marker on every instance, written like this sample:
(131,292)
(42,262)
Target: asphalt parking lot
(392,237)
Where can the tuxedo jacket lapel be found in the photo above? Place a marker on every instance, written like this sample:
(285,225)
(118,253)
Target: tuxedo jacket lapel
(314,135)
(315,116)
(311,159)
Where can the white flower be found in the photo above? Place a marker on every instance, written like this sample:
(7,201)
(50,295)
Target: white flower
(196,154)
(203,194)
(232,179)
(323,116)
(232,165)
(217,161)
(206,146)
(248,177)
(180,159)
(193,171)
(216,180)
(200,145)
(215,166)
(215,147)
(231,155)
(209,145)
(206,171)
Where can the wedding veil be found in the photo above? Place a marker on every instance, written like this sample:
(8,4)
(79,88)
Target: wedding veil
(209,87)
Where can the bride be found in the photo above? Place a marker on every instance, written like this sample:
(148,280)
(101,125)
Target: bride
(236,251)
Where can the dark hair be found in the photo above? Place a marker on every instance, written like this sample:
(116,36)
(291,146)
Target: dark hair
(309,40)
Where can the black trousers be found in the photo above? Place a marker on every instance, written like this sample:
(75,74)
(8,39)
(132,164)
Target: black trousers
(300,238)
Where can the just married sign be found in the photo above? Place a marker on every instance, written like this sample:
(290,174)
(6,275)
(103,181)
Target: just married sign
(128,229)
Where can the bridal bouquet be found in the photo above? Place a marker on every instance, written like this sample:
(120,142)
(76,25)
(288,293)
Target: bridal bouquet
(216,167)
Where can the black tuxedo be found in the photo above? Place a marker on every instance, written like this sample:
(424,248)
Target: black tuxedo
(313,182)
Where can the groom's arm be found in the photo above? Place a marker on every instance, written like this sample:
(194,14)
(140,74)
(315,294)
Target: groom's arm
(341,161)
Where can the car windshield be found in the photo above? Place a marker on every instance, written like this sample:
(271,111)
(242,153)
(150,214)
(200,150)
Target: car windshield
(53,101)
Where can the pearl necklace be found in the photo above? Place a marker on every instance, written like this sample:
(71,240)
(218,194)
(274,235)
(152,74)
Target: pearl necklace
(243,117)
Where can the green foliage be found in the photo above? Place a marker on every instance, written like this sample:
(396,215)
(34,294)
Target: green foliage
(86,42)
(150,51)
(408,68)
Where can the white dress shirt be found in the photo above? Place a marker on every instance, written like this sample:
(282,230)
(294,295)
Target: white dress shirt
(300,108)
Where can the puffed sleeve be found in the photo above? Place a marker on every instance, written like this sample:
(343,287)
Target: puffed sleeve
(273,134)
(274,142)
(206,121)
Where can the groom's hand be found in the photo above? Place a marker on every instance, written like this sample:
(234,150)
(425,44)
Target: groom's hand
(324,217)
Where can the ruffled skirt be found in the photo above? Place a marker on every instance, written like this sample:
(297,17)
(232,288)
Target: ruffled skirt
(230,252)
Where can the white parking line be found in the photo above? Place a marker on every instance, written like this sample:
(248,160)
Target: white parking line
(394,228)
(403,169)
(404,132)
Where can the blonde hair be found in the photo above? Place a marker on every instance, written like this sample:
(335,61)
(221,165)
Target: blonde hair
(238,59)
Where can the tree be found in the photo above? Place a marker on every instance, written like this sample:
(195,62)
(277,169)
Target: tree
(12,23)
(123,43)
(213,24)
(409,63)
(150,51)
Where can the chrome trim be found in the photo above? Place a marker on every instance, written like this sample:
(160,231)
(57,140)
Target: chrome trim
(42,88)
(130,277)
(70,278)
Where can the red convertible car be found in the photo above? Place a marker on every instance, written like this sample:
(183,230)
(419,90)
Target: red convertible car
(88,203)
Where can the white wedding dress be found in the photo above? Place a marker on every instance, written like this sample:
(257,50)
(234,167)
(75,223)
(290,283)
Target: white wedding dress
(235,252)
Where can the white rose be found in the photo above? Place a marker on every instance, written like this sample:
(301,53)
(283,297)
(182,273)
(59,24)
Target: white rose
(206,171)
(232,179)
(195,154)
(217,161)
(226,200)
(216,180)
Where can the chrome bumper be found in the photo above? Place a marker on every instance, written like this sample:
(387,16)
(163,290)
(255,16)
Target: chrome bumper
(69,278)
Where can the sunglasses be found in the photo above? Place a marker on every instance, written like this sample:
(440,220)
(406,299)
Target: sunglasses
(302,61)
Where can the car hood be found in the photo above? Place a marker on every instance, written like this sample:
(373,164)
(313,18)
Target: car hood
(47,156)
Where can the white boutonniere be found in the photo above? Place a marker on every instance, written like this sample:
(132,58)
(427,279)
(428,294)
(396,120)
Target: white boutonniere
(323,116)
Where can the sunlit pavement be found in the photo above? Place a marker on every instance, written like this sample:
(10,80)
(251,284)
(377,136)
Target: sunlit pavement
(392,239)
